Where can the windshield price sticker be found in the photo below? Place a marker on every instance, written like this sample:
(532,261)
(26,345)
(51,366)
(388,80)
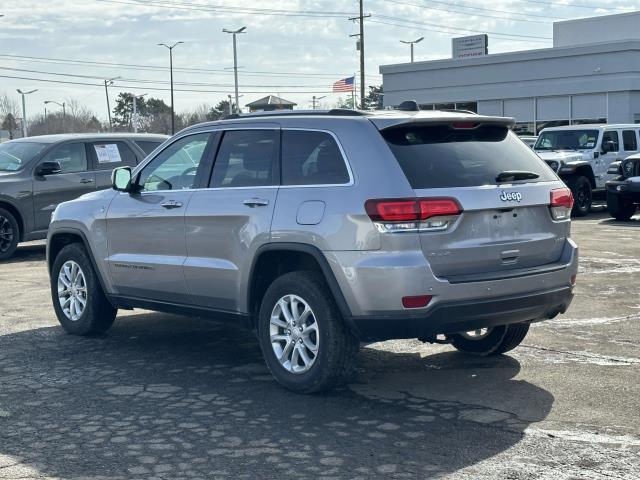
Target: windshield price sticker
(107,153)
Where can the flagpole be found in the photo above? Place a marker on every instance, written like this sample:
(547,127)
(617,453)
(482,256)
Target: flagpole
(353,92)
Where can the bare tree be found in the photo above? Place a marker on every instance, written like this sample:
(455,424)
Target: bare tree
(9,105)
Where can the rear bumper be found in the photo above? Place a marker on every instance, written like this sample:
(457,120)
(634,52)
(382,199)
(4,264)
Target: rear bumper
(467,315)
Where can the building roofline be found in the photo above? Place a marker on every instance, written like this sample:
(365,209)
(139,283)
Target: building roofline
(522,55)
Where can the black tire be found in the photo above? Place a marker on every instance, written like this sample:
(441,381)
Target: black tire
(9,234)
(620,208)
(334,362)
(499,340)
(98,314)
(582,195)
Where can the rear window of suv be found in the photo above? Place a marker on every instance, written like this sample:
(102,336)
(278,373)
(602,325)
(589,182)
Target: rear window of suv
(439,156)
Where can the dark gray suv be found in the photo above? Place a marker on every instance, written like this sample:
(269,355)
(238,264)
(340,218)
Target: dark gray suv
(38,173)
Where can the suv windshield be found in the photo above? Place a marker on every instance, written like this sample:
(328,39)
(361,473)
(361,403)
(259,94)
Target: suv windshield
(440,156)
(15,155)
(567,140)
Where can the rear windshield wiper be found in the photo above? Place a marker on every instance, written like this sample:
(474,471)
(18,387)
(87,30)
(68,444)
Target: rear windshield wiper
(514,175)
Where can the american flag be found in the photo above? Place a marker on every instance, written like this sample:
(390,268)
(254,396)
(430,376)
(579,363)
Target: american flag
(344,85)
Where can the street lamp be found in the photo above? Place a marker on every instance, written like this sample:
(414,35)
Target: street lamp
(412,43)
(64,110)
(235,60)
(24,110)
(173,120)
(134,115)
(106,92)
(315,99)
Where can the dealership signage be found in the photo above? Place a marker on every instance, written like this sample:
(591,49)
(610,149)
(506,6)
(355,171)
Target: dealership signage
(472,46)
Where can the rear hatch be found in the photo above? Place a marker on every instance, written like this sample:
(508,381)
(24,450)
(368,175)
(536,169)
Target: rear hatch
(503,189)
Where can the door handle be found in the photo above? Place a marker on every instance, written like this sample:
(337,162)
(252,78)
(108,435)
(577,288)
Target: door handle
(171,204)
(256,202)
(86,180)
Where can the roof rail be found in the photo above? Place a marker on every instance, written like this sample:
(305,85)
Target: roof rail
(344,112)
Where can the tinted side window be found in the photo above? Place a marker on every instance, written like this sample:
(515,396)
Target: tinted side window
(109,155)
(175,167)
(312,158)
(147,146)
(72,157)
(245,159)
(611,136)
(629,140)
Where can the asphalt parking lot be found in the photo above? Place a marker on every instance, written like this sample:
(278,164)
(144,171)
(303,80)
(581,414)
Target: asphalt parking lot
(171,397)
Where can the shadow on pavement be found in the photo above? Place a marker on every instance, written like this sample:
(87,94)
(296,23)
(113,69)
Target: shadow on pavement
(170,397)
(27,253)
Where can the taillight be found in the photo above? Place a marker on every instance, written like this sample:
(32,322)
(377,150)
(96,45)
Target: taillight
(408,214)
(561,203)
(464,125)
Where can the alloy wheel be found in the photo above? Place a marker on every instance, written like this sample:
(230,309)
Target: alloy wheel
(72,290)
(294,334)
(6,234)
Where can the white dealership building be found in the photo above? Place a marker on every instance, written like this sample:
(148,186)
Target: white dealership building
(591,74)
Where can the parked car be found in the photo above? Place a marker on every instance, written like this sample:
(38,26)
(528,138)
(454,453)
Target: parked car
(38,173)
(582,154)
(623,192)
(324,229)
(529,140)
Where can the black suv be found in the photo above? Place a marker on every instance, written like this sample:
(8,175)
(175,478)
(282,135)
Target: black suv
(623,192)
(38,173)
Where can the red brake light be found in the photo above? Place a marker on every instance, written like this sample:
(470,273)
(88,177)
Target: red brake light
(416,302)
(435,207)
(392,210)
(464,125)
(410,210)
(562,197)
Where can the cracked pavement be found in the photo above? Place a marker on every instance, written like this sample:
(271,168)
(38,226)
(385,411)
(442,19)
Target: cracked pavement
(168,397)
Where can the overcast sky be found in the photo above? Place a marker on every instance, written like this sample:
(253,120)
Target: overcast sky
(296,54)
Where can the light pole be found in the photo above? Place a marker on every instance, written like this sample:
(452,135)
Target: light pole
(64,111)
(173,118)
(235,61)
(412,43)
(134,115)
(315,99)
(106,92)
(24,110)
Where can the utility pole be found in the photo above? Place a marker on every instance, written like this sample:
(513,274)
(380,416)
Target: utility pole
(24,110)
(412,43)
(106,92)
(230,105)
(235,61)
(360,18)
(173,116)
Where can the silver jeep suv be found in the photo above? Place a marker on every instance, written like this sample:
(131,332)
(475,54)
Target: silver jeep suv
(324,229)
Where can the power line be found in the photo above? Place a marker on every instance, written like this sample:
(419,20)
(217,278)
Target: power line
(149,81)
(25,58)
(228,9)
(413,27)
(413,22)
(576,5)
(136,87)
(429,7)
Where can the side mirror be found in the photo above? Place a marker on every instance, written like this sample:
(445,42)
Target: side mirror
(48,168)
(121,179)
(615,168)
(608,147)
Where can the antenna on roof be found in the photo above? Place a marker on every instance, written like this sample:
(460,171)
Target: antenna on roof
(409,106)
